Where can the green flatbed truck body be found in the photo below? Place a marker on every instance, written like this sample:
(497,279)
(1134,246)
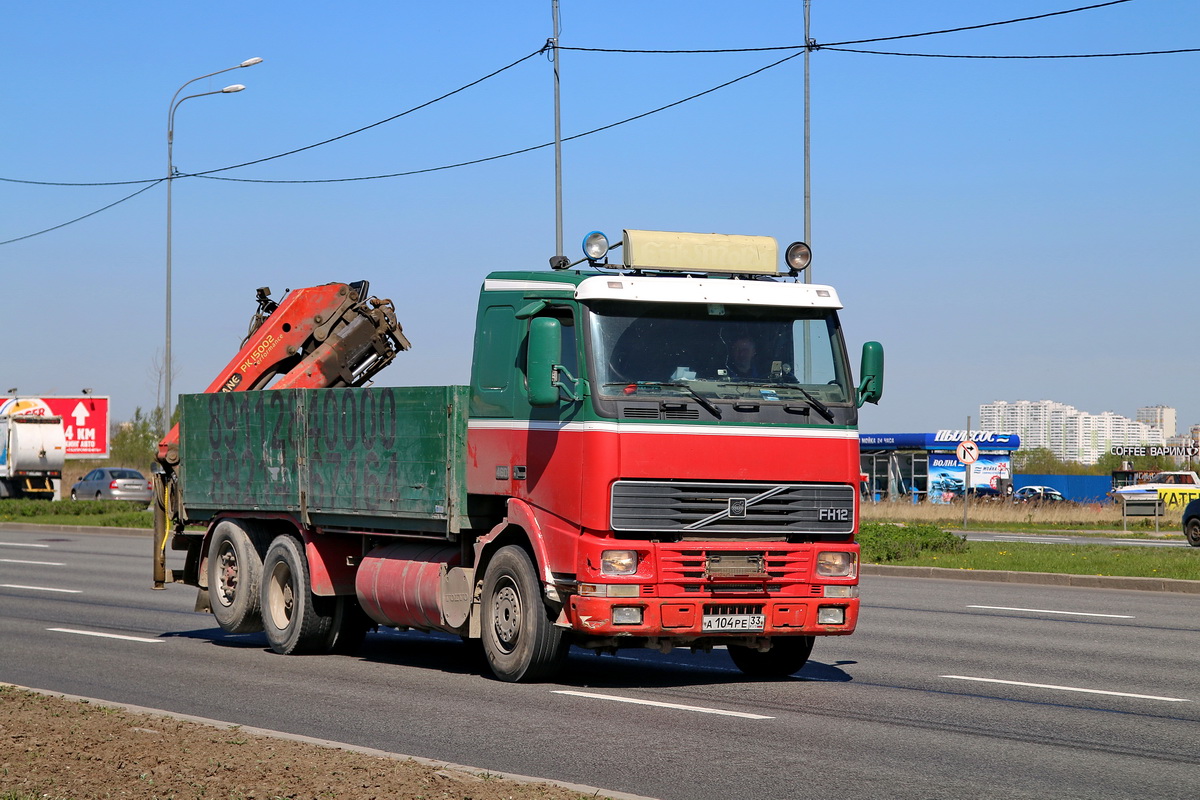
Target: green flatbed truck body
(380,459)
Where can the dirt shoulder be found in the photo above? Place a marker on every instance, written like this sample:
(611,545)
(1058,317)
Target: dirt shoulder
(58,748)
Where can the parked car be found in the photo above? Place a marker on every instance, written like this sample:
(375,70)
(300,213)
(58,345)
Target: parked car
(1038,494)
(1191,523)
(113,483)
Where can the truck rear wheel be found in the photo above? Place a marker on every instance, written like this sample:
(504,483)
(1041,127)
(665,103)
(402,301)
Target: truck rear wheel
(234,573)
(296,621)
(520,640)
(786,656)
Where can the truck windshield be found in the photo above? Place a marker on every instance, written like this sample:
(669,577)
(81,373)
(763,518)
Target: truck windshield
(722,351)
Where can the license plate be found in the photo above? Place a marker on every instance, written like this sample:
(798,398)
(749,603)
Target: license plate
(728,623)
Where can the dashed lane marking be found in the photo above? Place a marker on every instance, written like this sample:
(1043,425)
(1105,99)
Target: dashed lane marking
(38,588)
(659,704)
(1049,611)
(1069,689)
(107,635)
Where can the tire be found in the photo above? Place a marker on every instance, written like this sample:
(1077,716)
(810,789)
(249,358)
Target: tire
(234,573)
(520,641)
(97,495)
(786,656)
(296,621)
(73,495)
(1191,530)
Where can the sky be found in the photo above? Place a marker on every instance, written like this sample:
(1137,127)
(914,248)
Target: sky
(1009,229)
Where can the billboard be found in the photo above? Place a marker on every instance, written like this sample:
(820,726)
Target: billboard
(84,416)
(948,475)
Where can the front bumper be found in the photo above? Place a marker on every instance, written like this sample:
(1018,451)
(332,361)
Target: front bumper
(684,620)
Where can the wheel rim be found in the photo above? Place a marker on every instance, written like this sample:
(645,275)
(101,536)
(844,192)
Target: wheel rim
(281,596)
(227,574)
(506,615)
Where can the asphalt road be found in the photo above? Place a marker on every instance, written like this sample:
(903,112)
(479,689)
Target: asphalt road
(948,690)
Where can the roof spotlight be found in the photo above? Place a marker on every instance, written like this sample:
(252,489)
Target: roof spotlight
(798,256)
(595,246)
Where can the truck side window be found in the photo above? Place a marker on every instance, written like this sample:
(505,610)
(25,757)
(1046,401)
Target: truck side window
(570,356)
(496,343)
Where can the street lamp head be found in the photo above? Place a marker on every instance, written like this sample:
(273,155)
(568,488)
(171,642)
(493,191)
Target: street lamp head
(237,87)
(250,62)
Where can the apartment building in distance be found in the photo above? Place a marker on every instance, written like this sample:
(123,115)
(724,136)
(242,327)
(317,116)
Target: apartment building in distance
(1074,435)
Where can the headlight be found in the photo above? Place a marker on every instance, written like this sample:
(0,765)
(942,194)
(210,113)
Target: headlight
(618,562)
(837,564)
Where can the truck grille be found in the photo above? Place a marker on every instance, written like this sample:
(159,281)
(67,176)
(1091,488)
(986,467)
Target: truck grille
(698,511)
(683,572)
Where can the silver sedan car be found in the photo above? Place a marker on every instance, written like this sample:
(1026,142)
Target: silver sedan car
(113,483)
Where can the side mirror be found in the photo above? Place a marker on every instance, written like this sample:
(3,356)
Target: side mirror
(870,374)
(545,350)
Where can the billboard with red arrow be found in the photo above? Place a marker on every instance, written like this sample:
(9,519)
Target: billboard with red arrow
(84,416)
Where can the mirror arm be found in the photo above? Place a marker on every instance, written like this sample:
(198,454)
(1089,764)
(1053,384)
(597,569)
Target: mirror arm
(572,389)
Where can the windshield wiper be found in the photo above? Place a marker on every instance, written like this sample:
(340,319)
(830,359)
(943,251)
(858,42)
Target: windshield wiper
(821,408)
(709,405)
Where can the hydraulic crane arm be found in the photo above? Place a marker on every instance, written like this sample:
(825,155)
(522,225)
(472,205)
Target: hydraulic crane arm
(317,338)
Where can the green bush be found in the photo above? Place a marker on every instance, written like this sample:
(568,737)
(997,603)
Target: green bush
(881,543)
(98,513)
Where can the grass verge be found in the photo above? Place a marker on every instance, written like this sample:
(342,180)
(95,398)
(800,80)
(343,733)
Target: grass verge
(929,546)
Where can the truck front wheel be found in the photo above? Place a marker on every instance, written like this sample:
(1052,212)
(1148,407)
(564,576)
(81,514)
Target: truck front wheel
(520,640)
(786,656)
(234,572)
(296,621)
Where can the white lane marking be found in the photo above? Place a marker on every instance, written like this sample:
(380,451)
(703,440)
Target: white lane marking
(678,707)
(107,635)
(1068,688)
(1049,611)
(22,544)
(39,588)
(36,563)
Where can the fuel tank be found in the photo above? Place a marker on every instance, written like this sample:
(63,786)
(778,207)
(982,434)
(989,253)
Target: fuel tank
(406,585)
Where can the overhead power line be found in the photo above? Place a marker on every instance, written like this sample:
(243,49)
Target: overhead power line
(815,46)
(1073,55)
(523,150)
(85,216)
(392,118)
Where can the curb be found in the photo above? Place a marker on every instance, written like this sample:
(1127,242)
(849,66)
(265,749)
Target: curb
(591,791)
(1038,578)
(35,526)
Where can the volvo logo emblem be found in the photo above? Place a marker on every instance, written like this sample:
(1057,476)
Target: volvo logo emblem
(737,507)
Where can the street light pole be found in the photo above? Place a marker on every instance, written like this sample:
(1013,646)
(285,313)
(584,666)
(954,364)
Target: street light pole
(176,101)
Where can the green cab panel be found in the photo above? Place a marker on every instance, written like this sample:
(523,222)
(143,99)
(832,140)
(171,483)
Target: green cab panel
(383,458)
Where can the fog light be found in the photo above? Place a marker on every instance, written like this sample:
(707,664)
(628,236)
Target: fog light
(841,591)
(831,615)
(837,564)
(626,615)
(618,562)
